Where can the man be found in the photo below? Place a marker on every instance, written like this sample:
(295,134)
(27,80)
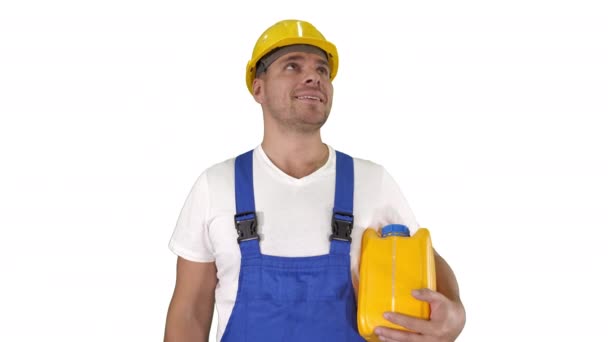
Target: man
(273,236)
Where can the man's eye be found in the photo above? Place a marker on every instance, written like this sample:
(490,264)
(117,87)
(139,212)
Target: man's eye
(323,71)
(291,66)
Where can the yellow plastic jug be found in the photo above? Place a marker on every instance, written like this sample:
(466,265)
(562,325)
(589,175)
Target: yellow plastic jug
(392,264)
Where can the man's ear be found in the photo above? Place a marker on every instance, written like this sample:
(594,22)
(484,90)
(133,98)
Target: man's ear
(258,91)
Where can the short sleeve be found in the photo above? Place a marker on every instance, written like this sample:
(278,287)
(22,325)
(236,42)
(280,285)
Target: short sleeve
(190,239)
(394,200)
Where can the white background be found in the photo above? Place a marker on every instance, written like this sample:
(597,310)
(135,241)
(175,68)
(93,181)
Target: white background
(490,115)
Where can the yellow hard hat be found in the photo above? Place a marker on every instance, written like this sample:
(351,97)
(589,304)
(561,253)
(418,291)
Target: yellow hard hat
(290,32)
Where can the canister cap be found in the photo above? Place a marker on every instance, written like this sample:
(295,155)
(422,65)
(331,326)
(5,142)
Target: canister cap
(395,230)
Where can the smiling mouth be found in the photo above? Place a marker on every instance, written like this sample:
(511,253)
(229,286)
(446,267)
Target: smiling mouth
(312,98)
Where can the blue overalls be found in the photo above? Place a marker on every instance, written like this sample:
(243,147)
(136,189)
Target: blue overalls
(294,298)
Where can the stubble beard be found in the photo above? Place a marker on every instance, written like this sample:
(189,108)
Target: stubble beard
(301,121)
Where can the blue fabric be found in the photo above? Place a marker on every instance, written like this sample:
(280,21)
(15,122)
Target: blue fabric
(245,201)
(294,298)
(345,179)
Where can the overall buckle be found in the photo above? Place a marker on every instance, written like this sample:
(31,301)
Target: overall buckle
(341,226)
(246,226)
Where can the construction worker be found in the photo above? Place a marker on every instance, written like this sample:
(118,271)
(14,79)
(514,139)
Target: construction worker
(272,236)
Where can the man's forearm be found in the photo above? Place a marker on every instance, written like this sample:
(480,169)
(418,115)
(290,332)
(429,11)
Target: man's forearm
(446,279)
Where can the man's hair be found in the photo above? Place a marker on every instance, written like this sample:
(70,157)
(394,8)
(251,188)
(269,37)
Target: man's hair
(264,62)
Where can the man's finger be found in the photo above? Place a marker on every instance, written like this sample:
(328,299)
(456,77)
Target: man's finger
(412,323)
(429,296)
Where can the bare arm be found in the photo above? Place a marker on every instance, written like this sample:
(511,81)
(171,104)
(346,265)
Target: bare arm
(446,279)
(191,308)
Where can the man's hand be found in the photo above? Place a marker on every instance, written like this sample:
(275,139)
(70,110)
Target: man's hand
(445,324)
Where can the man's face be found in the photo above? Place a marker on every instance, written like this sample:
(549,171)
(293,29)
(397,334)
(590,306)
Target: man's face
(296,91)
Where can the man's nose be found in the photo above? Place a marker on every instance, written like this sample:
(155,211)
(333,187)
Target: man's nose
(313,78)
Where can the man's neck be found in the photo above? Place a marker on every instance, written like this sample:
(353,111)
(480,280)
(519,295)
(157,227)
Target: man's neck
(297,157)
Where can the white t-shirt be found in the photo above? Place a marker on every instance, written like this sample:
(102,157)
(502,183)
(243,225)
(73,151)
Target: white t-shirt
(294,217)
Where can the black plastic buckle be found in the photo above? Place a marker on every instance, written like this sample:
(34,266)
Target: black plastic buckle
(341,227)
(247,228)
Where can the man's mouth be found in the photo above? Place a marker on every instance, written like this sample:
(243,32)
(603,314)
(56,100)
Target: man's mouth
(309,97)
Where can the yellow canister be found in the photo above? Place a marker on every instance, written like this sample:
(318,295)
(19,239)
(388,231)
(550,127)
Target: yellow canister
(392,264)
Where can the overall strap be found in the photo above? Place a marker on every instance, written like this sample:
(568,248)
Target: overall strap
(342,218)
(245,220)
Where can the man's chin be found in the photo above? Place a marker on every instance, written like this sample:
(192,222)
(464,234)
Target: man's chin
(311,126)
